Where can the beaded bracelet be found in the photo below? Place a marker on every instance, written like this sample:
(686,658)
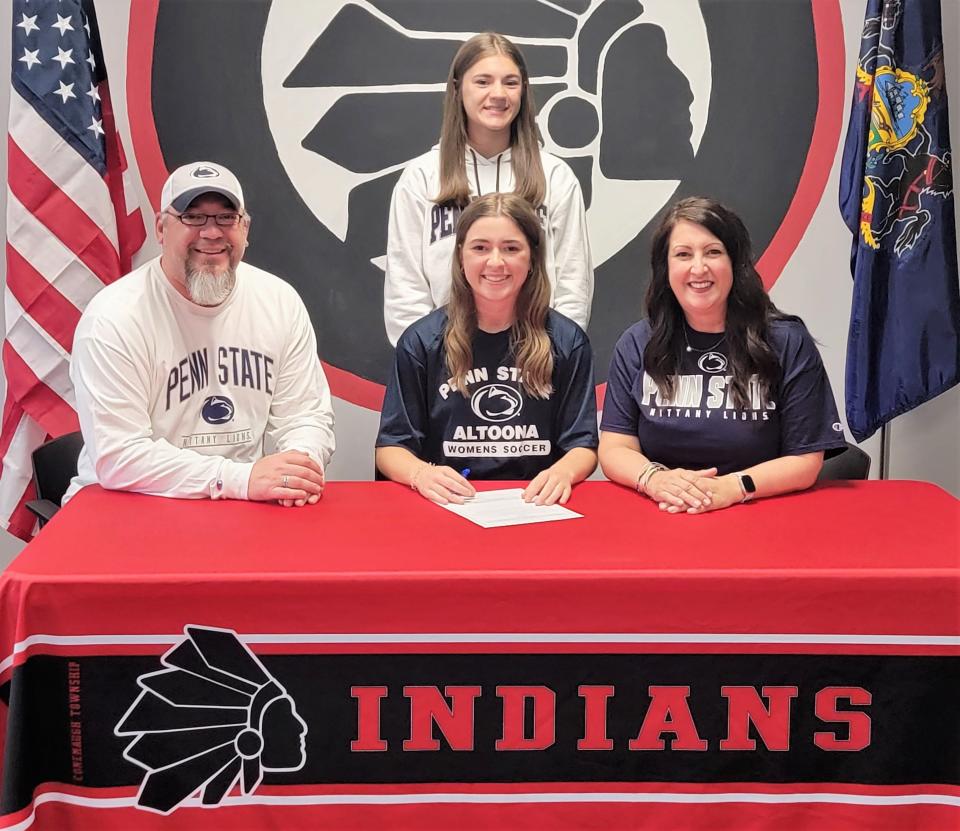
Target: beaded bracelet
(645,474)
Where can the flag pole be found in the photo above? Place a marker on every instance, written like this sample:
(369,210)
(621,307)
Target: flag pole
(884,450)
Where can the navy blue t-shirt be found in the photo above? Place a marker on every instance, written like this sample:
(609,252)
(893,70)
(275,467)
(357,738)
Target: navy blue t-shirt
(700,427)
(497,430)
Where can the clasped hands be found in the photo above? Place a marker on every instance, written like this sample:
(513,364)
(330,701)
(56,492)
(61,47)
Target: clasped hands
(442,484)
(291,478)
(693,491)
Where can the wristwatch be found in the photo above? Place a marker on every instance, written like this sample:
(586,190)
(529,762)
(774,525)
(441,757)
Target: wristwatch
(747,486)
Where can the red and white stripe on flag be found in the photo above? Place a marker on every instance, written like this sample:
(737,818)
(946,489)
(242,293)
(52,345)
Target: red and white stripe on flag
(72,226)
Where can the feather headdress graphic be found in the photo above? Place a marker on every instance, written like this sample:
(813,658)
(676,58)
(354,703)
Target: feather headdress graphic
(214,716)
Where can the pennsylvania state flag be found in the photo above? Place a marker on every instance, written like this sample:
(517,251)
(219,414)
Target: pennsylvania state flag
(896,196)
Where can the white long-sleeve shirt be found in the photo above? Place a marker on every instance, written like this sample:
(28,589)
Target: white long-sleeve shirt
(176,399)
(421,237)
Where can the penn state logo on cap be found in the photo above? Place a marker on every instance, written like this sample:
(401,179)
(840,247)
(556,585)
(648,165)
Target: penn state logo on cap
(212,718)
(189,181)
(496,402)
(217,409)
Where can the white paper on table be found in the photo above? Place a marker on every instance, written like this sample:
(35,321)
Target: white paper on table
(495,509)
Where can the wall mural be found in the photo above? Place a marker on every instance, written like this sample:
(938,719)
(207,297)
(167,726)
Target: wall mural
(318,106)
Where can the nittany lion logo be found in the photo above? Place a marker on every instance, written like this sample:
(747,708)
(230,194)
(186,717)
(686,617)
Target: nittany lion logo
(217,409)
(496,402)
(712,362)
(646,102)
(212,718)
(204,172)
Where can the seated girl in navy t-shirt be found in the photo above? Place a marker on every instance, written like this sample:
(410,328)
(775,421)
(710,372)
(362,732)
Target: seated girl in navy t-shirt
(495,381)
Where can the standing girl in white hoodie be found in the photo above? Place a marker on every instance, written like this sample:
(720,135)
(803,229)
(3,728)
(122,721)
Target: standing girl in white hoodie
(489,142)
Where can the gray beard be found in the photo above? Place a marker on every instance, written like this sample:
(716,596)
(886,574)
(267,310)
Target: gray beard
(210,288)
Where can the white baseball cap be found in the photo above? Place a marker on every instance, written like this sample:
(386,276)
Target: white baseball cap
(188,182)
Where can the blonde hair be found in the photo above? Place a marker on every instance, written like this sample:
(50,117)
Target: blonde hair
(529,342)
(525,141)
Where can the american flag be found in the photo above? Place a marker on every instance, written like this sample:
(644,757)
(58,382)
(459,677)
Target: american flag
(72,226)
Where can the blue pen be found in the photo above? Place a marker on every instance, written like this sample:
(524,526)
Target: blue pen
(465,473)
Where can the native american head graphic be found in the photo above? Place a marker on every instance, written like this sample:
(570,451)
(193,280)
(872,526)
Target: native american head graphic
(212,717)
(647,102)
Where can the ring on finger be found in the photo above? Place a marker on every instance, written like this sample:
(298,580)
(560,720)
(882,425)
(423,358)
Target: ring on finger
(283,481)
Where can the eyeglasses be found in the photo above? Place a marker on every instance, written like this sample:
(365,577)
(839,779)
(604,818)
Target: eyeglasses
(228,219)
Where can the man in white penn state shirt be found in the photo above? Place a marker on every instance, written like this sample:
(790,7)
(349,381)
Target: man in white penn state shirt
(197,375)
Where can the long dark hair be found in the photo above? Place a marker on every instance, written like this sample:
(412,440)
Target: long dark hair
(529,341)
(528,176)
(749,308)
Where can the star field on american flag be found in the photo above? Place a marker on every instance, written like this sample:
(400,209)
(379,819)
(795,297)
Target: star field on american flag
(54,59)
(73,225)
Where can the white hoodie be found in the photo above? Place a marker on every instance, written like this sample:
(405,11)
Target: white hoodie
(421,237)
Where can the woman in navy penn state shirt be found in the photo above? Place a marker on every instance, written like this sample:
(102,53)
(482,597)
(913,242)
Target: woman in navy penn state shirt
(717,397)
(495,381)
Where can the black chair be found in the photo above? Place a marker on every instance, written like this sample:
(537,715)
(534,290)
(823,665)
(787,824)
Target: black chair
(851,463)
(54,465)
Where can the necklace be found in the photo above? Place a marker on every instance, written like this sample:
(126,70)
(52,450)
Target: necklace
(694,349)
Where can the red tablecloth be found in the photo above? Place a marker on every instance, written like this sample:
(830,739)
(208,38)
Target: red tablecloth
(794,661)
